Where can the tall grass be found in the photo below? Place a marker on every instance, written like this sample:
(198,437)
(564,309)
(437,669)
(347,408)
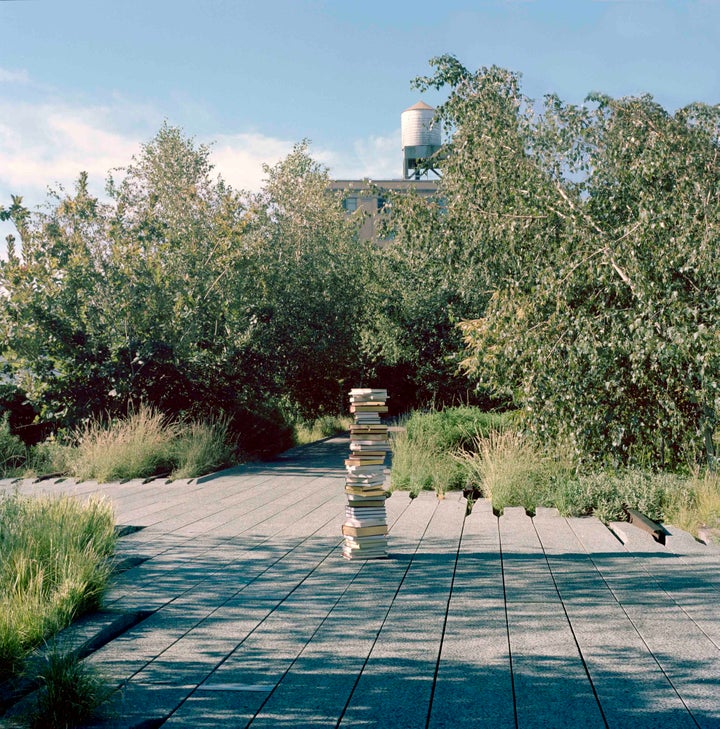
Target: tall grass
(513,470)
(700,510)
(12,449)
(71,693)
(423,451)
(200,447)
(138,446)
(54,564)
(144,444)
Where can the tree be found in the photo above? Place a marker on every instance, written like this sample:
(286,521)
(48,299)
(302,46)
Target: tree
(309,271)
(595,231)
(182,293)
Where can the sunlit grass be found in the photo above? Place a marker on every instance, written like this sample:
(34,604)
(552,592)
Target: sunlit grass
(424,449)
(310,431)
(54,564)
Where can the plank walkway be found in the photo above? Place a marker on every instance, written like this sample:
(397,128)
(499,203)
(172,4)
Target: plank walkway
(253,618)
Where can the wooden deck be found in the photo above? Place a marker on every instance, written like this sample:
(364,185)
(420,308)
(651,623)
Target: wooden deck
(251,617)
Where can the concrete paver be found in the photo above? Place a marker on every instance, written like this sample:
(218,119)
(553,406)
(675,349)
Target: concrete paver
(255,619)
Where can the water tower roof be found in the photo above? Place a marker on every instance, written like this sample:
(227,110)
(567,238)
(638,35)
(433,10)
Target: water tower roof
(420,105)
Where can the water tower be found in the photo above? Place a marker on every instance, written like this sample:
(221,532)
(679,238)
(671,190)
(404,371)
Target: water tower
(420,140)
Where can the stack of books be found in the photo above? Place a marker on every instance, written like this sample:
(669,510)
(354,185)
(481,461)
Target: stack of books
(365,526)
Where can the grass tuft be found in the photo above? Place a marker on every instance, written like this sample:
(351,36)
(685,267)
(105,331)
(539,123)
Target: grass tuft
(71,693)
(424,451)
(139,446)
(12,450)
(54,564)
(201,447)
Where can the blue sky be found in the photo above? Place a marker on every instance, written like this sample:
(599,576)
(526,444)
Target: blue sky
(84,82)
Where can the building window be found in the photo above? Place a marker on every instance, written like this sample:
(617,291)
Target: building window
(350,204)
(381,203)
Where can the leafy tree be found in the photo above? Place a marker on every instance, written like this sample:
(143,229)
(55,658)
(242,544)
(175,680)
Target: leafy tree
(594,231)
(309,273)
(185,294)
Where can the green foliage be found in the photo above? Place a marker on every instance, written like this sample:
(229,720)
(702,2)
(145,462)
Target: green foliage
(423,451)
(138,446)
(512,469)
(12,449)
(200,448)
(185,295)
(700,511)
(147,443)
(593,232)
(71,693)
(54,565)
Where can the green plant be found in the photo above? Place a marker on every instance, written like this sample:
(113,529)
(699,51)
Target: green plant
(50,456)
(423,451)
(71,692)
(12,449)
(54,564)
(512,470)
(309,431)
(138,446)
(200,447)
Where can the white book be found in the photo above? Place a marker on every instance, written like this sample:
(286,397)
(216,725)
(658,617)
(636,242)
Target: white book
(382,521)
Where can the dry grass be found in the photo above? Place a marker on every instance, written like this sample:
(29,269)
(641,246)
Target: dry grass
(136,447)
(200,447)
(701,509)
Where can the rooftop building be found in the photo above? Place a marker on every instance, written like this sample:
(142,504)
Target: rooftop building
(421,143)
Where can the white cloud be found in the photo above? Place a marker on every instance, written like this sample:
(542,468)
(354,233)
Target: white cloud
(239,158)
(11,76)
(48,143)
(373,157)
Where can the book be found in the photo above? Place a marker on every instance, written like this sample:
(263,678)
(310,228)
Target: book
(364,502)
(369,512)
(364,542)
(364,468)
(357,459)
(368,408)
(375,491)
(367,392)
(380,448)
(362,523)
(364,531)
